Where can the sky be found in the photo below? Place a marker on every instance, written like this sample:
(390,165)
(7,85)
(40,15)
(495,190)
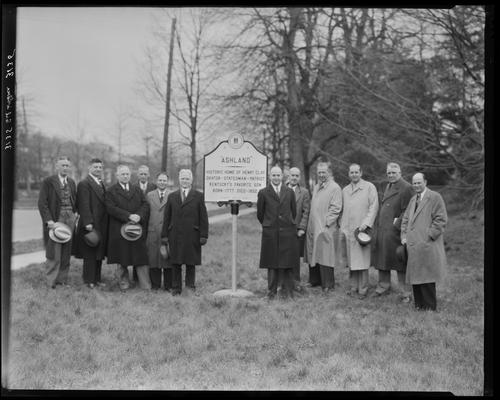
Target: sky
(79,65)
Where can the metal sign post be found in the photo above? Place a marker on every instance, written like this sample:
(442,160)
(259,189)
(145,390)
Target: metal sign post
(234,172)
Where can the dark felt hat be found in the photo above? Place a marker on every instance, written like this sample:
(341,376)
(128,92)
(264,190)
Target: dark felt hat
(363,237)
(92,238)
(402,254)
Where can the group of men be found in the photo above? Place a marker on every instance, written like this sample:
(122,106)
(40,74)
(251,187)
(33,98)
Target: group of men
(156,231)
(352,227)
(141,225)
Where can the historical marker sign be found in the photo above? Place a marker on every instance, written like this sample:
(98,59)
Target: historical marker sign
(234,170)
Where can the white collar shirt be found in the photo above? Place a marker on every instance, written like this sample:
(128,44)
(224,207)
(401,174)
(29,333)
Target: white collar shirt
(63,179)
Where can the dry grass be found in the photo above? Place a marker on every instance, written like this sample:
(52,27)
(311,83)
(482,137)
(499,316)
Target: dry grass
(74,338)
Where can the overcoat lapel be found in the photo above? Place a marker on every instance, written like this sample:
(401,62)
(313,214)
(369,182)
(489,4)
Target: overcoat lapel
(282,193)
(156,199)
(189,197)
(98,190)
(422,204)
(122,192)
(389,192)
(273,193)
(57,185)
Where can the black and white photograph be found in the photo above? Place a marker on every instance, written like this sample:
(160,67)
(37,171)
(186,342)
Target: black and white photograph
(252,199)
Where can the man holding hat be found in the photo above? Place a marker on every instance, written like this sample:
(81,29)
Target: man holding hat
(422,230)
(321,249)
(92,231)
(57,206)
(360,209)
(185,230)
(393,204)
(128,212)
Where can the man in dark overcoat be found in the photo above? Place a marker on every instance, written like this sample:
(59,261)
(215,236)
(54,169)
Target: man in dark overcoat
(91,207)
(143,179)
(276,211)
(158,266)
(126,203)
(146,187)
(57,203)
(185,229)
(387,232)
(303,200)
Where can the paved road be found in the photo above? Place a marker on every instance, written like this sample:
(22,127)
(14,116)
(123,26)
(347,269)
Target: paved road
(22,260)
(27,224)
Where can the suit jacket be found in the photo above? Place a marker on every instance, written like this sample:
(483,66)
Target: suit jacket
(91,207)
(423,230)
(119,205)
(279,245)
(155,226)
(387,226)
(149,187)
(303,200)
(49,204)
(184,224)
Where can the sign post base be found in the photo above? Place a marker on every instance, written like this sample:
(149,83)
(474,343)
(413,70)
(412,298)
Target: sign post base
(233,293)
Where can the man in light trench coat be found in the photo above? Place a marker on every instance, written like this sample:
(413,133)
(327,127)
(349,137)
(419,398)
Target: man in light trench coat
(321,251)
(158,267)
(360,209)
(422,230)
(387,234)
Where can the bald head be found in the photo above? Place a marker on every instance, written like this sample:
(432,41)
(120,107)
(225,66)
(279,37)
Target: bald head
(276,175)
(419,182)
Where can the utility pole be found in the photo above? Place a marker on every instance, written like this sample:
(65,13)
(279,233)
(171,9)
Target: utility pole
(147,139)
(167,111)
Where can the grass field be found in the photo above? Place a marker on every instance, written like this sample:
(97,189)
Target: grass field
(75,338)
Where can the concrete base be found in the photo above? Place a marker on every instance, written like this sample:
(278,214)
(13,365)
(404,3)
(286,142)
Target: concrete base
(237,293)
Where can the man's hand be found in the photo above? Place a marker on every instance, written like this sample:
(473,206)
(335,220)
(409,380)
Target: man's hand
(403,241)
(300,232)
(363,227)
(134,218)
(89,227)
(203,241)
(50,224)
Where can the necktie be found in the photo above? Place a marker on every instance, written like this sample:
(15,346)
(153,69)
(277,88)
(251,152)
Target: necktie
(417,202)
(322,185)
(125,187)
(161,197)
(64,184)
(183,195)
